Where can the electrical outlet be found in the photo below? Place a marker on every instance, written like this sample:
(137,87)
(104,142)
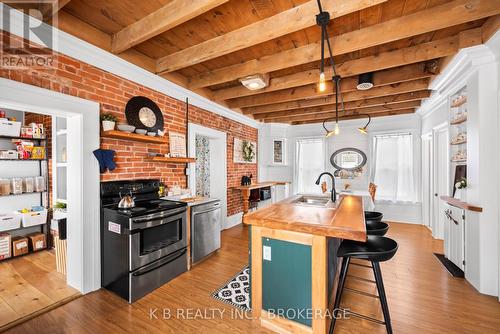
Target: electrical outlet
(266,253)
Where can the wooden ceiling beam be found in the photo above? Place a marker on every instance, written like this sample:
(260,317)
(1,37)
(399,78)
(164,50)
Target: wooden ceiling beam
(357,116)
(286,22)
(490,27)
(405,87)
(49,9)
(419,53)
(331,114)
(167,17)
(378,102)
(76,27)
(348,85)
(435,18)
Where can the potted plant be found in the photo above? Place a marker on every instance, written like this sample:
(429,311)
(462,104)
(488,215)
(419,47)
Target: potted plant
(108,122)
(461,184)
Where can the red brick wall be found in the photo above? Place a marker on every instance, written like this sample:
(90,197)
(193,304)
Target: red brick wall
(112,92)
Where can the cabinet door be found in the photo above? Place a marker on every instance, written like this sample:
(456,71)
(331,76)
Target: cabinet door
(456,237)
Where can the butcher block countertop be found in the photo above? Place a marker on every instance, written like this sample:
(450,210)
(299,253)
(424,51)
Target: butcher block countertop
(346,221)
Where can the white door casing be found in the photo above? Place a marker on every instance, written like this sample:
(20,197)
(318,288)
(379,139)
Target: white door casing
(441,163)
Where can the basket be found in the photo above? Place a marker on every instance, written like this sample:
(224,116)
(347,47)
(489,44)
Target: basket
(9,221)
(9,128)
(34,218)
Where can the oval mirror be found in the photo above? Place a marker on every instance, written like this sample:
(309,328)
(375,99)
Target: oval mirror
(348,159)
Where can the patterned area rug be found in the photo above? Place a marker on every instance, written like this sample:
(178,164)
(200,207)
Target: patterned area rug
(236,291)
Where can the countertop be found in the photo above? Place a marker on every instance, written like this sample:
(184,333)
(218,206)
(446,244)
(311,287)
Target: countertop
(347,221)
(193,201)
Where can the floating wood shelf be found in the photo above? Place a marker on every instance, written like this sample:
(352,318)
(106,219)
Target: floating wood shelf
(133,136)
(458,121)
(462,160)
(172,160)
(459,142)
(458,102)
(459,204)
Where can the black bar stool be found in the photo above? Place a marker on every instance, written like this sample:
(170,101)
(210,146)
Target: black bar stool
(376,228)
(376,249)
(373,216)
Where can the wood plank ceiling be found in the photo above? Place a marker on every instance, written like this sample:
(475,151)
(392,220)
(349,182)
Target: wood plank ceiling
(207,45)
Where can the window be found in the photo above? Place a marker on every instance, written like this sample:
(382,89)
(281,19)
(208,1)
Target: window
(310,163)
(392,169)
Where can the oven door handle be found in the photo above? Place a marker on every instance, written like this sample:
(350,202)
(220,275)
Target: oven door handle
(153,216)
(156,222)
(162,262)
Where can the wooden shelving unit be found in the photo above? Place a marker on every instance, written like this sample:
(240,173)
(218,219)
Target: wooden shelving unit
(172,160)
(459,142)
(459,204)
(458,121)
(133,136)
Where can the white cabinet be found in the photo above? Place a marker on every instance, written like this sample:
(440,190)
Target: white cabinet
(454,235)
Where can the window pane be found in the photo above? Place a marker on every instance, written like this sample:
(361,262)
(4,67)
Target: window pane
(393,172)
(310,163)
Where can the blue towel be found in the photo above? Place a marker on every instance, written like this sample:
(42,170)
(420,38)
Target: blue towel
(105,158)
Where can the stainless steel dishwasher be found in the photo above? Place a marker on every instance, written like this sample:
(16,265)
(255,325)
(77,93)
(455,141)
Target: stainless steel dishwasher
(205,229)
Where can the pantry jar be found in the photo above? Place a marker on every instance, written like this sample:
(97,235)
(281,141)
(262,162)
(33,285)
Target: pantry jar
(4,187)
(28,184)
(17,185)
(39,184)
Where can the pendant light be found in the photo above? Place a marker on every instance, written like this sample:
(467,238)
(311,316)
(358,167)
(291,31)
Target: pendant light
(322,20)
(364,129)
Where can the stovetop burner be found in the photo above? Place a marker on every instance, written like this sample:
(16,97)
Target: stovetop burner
(148,206)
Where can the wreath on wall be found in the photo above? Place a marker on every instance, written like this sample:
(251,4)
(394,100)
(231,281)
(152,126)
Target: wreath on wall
(248,149)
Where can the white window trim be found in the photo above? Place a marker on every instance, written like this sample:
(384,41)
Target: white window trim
(296,158)
(416,162)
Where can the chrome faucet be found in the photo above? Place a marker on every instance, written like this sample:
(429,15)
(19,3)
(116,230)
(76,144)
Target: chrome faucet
(333,192)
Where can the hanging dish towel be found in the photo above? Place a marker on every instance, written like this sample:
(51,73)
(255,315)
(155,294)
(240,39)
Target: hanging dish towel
(105,158)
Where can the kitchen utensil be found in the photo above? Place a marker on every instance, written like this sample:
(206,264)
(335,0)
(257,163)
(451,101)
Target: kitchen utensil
(126,128)
(126,202)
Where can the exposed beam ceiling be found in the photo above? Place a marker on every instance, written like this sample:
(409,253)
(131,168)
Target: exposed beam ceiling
(405,87)
(383,101)
(331,114)
(435,18)
(311,91)
(49,9)
(422,52)
(171,15)
(490,27)
(286,22)
(356,116)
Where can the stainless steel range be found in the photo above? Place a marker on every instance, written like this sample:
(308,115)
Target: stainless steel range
(142,247)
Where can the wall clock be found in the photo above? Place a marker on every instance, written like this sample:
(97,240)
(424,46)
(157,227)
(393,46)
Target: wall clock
(143,113)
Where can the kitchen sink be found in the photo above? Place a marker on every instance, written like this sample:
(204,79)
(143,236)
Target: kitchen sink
(314,201)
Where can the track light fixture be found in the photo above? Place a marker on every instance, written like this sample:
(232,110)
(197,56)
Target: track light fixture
(322,20)
(364,129)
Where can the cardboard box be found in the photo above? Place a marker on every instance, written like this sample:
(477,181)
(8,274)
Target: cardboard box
(20,246)
(5,252)
(36,241)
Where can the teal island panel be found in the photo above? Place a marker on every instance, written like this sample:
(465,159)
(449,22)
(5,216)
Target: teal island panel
(287,279)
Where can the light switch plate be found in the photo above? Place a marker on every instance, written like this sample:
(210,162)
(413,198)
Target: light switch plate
(266,253)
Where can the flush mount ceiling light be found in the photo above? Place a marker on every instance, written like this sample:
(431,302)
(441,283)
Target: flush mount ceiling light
(322,20)
(364,129)
(255,82)
(365,81)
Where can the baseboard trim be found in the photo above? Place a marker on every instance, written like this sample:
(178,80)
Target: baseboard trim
(233,220)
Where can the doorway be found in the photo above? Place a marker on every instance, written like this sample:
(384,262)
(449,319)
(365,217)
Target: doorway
(441,177)
(83,237)
(427,176)
(208,176)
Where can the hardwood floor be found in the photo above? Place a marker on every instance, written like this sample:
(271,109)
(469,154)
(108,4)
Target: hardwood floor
(30,285)
(423,297)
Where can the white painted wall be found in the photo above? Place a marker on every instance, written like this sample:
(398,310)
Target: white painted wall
(478,69)
(348,137)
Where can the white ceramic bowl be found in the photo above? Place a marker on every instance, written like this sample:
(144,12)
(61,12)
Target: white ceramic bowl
(141,131)
(126,127)
(151,134)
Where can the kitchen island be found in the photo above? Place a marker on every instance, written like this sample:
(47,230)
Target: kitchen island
(293,259)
